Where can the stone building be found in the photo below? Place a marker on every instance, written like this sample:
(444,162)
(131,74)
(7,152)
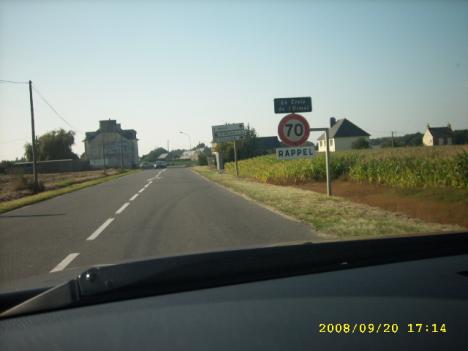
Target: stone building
(111,146)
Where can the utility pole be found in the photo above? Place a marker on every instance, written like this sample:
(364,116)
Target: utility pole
(33,135)
(393,142)
(168,146)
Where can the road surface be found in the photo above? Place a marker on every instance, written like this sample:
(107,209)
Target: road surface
(146,214)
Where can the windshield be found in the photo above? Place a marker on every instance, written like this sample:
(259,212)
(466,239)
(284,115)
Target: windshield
(132,130)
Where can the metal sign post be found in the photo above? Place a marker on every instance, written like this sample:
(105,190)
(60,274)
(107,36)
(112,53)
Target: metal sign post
(227,133)
(327,157)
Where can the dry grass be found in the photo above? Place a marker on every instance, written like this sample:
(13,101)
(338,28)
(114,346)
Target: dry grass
(79,184)
(15,186)
(329,215)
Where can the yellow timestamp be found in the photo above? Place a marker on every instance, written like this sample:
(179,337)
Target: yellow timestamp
(376,328)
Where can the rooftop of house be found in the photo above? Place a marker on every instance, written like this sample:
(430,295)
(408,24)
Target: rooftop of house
(111,126)
(440,132)
(344,128)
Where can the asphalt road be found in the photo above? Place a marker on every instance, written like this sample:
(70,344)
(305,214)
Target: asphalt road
(146,214)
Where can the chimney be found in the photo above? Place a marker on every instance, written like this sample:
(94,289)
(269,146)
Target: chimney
(449,126)
(332,121)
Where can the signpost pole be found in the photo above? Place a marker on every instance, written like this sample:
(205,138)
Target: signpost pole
(327,156)
(235,158)
(327,160)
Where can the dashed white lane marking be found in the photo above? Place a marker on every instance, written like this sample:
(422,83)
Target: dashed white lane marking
(133,197)
(65,262)
(122,208)
(100,229)
(141,190)
(157,175)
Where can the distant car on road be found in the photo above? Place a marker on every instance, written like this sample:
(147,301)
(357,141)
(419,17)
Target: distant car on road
(160,164)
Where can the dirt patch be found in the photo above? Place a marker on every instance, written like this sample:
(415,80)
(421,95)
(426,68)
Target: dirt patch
(445,206)
(10,190)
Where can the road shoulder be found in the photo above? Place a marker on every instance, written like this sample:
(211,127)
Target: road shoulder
(333,216)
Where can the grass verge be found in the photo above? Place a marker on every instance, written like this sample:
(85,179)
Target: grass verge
(334,216)
(31,199)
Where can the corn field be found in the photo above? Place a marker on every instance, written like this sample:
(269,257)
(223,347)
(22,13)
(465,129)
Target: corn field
(444,166)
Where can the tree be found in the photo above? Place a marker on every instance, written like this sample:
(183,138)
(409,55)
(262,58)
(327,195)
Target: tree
(54,145)
(153,155)
(361,143)
(460,136)
(202,159)
(245,148)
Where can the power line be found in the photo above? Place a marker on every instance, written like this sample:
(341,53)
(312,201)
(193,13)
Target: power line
(12,82)
(53,109)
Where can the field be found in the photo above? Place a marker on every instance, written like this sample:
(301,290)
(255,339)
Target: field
(15,186)
(412,167)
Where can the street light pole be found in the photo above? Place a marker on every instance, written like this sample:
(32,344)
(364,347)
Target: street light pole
(190,139)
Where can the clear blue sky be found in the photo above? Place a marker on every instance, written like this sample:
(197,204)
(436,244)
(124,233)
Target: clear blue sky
(161,67)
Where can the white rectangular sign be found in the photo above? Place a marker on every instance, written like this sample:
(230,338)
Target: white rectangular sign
(288,153)
(228,132)
(228,127)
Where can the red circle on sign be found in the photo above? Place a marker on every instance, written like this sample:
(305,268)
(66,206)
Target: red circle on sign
(290,134)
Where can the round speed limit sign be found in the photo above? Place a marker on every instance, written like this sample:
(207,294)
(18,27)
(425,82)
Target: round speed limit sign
(293,130)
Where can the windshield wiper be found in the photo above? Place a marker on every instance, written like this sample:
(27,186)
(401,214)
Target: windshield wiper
(204,270)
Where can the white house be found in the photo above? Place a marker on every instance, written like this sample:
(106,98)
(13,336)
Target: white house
(438,136)
(343,133)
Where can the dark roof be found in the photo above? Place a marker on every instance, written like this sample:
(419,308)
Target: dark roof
(441,132)
(345,128)
(267,143)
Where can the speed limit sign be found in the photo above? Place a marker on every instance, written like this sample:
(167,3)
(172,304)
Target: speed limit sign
(293,130)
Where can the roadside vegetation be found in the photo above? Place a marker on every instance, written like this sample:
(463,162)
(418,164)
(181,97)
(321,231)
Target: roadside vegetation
(412,167)
(16,190)
(334,216)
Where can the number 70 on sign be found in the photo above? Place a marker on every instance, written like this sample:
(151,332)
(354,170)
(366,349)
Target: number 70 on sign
(293,130)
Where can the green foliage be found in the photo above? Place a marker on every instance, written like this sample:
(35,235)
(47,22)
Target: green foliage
(202,159)
(460,136)
(398,141)
(403,168)
(153,155)
(246,148)
(54,145)
(361,143)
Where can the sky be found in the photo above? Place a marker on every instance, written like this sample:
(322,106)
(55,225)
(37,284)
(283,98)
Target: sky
(165,67)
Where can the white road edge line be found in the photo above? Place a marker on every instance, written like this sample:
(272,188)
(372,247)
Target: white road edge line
(133,197)
(141,190)
(100,229)
(122,208)
(65,262)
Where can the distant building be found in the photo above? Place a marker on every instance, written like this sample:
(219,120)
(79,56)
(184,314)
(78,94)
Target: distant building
(190,155)
(438,135)
(343,133)
(112,146)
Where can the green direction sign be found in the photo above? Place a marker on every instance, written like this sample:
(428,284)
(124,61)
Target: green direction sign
(291,105)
